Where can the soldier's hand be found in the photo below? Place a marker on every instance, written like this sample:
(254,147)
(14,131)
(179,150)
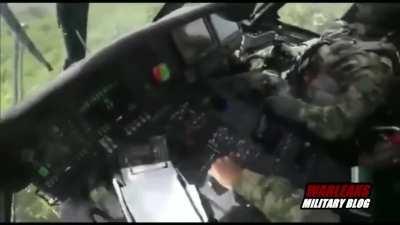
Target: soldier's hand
(226,171)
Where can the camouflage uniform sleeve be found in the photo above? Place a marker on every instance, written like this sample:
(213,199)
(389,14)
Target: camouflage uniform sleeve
(367,87)
(277,199)
(367,91)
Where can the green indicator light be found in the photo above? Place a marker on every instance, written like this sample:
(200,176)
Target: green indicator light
(165,73)
(161,73)
(43,171)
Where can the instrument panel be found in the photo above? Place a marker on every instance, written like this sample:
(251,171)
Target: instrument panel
(111,122)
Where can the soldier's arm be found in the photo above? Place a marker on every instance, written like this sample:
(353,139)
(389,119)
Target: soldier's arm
(278,199)
(366,92)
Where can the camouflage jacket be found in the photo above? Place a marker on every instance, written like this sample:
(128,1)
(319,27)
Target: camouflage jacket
(353,81)
(278,199)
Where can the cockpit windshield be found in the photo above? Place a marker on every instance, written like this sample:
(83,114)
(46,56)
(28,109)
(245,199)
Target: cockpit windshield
(316,17)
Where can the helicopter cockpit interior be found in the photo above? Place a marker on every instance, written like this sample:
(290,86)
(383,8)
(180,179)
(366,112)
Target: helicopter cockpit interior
(144,117)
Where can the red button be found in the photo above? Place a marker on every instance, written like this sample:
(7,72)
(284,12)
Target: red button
(157,74)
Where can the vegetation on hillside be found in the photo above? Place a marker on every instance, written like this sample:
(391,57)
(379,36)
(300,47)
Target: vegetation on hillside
(316,17)
(107,22)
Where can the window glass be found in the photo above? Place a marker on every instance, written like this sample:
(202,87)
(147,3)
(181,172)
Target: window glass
(315,17)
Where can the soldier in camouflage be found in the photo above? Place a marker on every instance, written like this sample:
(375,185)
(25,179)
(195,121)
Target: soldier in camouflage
(339,82)
(342,81)
(274,196)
